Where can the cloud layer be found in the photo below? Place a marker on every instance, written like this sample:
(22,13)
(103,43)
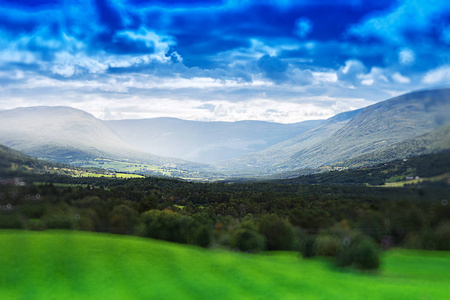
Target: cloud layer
(283,61)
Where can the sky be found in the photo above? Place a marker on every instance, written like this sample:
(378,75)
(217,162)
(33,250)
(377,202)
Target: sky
(221,60)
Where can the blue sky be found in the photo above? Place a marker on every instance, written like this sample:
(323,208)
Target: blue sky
(283,61)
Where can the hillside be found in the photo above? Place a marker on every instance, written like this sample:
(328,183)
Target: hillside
(204,142)
(432,142)
(97,266)
(265,161)
(72,136)
(434,167)
(368,130)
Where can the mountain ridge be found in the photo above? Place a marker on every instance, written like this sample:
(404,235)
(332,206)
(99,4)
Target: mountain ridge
(367,130)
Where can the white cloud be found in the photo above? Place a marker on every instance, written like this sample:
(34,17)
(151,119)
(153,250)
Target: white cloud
(400,78)
(406,56)
(376,75)
(437,76)
(351,72)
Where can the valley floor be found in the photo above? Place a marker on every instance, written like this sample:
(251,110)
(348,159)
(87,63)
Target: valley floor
(79,265)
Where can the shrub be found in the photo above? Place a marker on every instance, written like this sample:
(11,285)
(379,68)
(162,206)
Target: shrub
(366,254)
(247,238)
(59,220)
(88,220)
(442,236)
(360,251)
(10,221)
(165,225)
(36,224)
(279,233)
(123,219)
(307,247)
(202,236)
(327,245)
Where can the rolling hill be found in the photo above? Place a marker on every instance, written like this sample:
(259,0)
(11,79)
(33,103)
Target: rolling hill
(352,134)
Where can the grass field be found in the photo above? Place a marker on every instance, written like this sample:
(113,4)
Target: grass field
(125,166)
(75,265)
(118,175)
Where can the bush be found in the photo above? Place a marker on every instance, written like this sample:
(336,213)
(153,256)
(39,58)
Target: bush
(279,233)
(88,220)
(360,251)
(327,245)
(10,221)
(36,224)
(165,225)
(442,236)
(307,247)
(202,236)
(123,219)
(247,239)
(430,239)
(59,220)
(366,254)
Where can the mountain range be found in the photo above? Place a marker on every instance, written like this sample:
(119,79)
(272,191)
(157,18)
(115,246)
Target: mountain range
(406,125)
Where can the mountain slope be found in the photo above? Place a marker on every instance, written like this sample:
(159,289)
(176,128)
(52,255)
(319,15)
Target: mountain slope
(263,162)
(437,140)
(369,130)
(204,141)
(68,135)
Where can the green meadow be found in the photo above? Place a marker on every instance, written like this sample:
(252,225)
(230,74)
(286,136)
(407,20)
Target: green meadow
(118,175)
(81,265)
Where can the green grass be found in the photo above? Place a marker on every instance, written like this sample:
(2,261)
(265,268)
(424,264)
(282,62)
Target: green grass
(118,175)
(126,166)
(75,265)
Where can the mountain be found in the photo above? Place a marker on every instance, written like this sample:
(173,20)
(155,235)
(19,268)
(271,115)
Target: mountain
(204,142)
(264,162)
(33,130)
(435,141)
(351,134)
(68,135)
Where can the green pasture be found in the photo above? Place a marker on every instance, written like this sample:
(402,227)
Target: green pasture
(77,265)
(118,175)
(126,166)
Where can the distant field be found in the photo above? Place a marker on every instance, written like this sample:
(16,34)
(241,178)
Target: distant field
(76,265)
(126,166)
(118,175)
(443,177)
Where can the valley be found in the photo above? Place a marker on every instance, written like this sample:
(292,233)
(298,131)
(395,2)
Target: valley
(405,126)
